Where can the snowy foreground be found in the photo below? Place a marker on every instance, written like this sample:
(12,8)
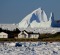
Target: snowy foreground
(30,48)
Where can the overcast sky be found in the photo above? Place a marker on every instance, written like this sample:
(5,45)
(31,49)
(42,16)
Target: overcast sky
(13,11)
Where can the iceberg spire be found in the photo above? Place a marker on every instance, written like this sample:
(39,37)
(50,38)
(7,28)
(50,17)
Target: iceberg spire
(37,12)
(44,16)
(51,17)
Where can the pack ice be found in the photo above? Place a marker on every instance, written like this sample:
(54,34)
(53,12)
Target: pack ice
(30,48)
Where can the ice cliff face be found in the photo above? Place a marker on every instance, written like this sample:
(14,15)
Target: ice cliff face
(37,19)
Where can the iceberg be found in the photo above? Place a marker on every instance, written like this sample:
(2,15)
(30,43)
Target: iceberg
(37,19)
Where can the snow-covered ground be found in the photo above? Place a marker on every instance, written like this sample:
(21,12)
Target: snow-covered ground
(41,30)
(30,48)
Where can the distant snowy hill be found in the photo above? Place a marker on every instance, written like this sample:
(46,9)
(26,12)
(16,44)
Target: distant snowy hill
(37,19)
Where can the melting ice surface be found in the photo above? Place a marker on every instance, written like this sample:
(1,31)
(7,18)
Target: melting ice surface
(30,48)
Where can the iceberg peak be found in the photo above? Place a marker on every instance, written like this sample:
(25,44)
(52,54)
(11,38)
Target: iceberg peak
(51,16)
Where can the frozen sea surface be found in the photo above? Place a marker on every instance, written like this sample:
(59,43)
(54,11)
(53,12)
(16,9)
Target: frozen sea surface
(30,48)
